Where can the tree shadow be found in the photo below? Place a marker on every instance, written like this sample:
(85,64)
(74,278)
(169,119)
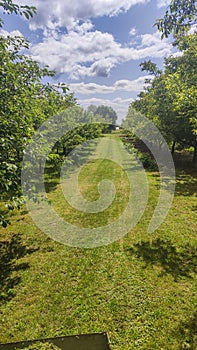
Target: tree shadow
(162,253)
(186,185)
(77,158)
(183,162)
(194,208)
(51,177)
(189,329)
(187,332)
(11,251)
(51,185)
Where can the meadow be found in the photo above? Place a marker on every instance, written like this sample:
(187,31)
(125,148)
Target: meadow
(140,289)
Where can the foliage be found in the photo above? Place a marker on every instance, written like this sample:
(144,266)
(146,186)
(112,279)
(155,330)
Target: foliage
(141,290)
(136,146)
(150,67)
(83,129)
(178,19)
(169,99)
(104,114)
(24,104)
(182,79)
(23,10)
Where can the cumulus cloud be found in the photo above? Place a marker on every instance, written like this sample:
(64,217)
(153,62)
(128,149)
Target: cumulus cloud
(59,13)
(13,33)
(93,53)
(120,85)
(163,3)
(71,44)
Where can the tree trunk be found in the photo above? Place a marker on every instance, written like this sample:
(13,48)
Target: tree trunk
(40,166)
(194,155)
(57,147)
(64,150)
(173,147)
(18,155)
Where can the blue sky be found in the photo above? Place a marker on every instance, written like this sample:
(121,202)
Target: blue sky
(95,46)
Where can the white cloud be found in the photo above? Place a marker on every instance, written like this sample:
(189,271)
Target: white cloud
(120,85)
(14,33)
(82,52)
(91,88)
(193,29)
(133,31)
(163,3)
(150,39)
(177,54)
(59,13)
(120,105)
(86,26)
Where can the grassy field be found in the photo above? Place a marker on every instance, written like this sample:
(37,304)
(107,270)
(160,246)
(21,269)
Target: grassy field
(140,289)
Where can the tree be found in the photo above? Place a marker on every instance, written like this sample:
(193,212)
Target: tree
(81,128)
(155,102)
(150,67)
(23,10)
(181,81)
(170,99)
(178,19)
(92,109)
(24,104)
(107,113)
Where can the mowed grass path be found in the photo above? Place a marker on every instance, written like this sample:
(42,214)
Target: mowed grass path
(141,289)
(97,165)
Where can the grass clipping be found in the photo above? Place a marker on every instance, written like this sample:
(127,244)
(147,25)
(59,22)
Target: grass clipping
(42,346)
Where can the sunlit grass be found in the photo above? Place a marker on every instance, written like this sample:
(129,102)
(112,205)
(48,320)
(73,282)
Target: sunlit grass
(141,290)
(90,176)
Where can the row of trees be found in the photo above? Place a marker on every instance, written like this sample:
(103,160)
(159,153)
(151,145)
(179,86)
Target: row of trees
(170,98)
(26,103)
(105,112)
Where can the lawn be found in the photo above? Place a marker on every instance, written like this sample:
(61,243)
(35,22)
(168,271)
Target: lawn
(141,289)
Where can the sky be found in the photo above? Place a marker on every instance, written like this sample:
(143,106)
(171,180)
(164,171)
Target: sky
(95,46)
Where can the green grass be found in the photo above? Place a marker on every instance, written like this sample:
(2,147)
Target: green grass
(141,289)
(41,346)
(92,172)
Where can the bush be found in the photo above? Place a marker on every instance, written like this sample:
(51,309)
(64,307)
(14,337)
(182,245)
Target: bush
(54,158)
(148,161)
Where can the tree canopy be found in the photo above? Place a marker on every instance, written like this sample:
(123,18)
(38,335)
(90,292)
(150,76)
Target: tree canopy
(23,10)
(107,113)
(25,102)
(170,98)
(178,19)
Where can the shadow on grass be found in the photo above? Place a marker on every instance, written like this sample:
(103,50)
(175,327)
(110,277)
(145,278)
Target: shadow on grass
(194,208)
(186,185)
(77,158)
(11,251)
(51,178)
(187,331)
(183,162)
(164,254)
